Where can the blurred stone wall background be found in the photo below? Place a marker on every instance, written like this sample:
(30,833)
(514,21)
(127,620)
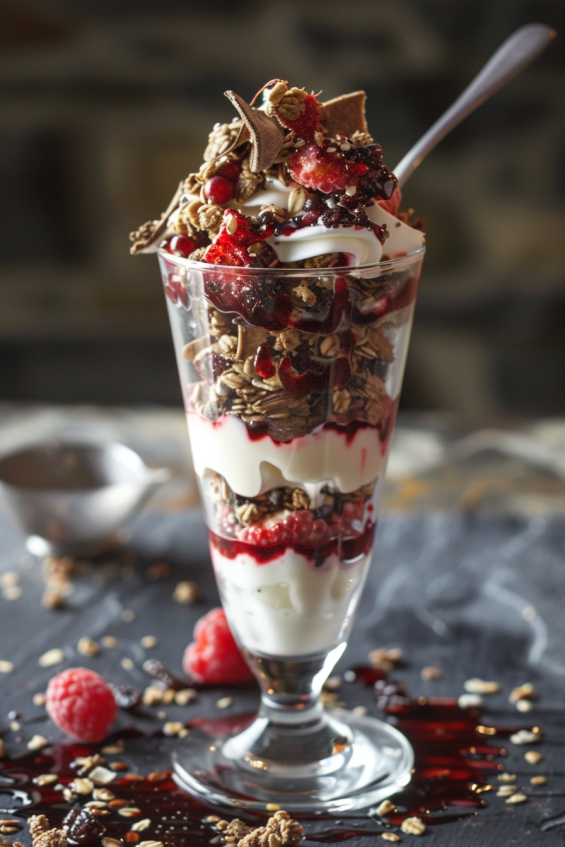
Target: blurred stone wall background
(107,103)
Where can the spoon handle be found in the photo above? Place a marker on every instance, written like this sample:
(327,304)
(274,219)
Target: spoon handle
(514,54)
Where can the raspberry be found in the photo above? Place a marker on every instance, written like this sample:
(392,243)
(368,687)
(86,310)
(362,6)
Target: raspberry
(230,248)
(218,190)
(81,703)
(309,121)
(213,656)
(316,168)
(295,527)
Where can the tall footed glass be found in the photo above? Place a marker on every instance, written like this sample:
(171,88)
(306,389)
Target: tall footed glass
(291,381)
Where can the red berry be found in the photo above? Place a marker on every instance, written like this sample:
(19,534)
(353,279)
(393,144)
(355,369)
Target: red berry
(263,362)
(81,703)
(308,122)
(214,656)
(230,170)
(218,190)
(314,167)
(180,245)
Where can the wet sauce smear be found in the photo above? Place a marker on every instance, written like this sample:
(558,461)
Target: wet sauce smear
(456,761)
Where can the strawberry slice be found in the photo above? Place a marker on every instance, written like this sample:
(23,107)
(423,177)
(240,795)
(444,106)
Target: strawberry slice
(316,168)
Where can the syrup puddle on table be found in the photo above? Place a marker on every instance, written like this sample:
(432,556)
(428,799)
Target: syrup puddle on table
(456,761)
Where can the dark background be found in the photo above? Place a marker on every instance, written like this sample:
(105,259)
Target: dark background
(107,104)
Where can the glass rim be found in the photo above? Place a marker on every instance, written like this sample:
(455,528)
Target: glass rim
(397,262)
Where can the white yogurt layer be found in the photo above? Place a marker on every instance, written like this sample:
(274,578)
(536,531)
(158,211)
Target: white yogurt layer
(361,245)
(287,607)
(251,467)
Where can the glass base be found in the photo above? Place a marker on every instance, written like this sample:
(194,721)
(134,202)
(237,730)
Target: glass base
(359,761)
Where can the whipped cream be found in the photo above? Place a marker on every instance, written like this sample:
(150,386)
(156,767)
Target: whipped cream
(252,467)
(360,245)
(288,607)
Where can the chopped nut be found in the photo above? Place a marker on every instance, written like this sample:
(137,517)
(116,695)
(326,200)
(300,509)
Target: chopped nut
(109,641)
(129,811)
(533,757)
(524,706)
(111,842)
(224,702)
(45,779)
(9,578)
(185,696)
(153,695)
(506,777)
(158,776)
(303,292)
(413,826)
(390,836)
(385,660)
(469,701)
(39,699)
(481,686)
(6,667)
(173,728)
(86,763)
(38,742)
(119,767)
(525,736)
(87,647)
(139,826)
(15,726)
(538,780)
(127,664)
(431,672)
(150,844)
(523,692)
(148,642)
(385,808)
(186,593)
(82,786)
(514,799)
(287,831)
(103,794)
(101,776)
(51,657)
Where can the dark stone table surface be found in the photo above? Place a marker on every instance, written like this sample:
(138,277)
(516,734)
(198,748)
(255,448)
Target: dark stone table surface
(468,576)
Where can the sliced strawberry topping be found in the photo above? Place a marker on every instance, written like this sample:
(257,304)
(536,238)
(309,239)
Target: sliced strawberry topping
(316,168)
(309,121)
(230,248)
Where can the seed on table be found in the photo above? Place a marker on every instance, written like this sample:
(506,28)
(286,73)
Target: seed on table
(127,664)
(51,657)
(109,641)
(101,776)
(82,786)
(6,667)
(45,779)
(119,766)
(158,776)
(148,642)
(481,686)
(37,742)
(141,825)
(272,807)
(506,790)
(111,842)
(506,777)
(87,647)
(413,826)
(524,706)
(523,692)
(15,726)
(224,702)
(516,798)
(431,672)
(128,615)
(39,699)
(538,780)
(185,696)
(533,757)
(129,811)
(469,701)
(10,578)
(103,794)
(385,808)
(390,836)
(525,736)
(186,593)
(173,728)
(150,844)
(118,803)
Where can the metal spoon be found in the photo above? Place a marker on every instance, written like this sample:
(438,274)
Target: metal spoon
(515,53)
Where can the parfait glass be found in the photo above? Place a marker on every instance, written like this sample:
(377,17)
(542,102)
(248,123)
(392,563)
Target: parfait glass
(291,380)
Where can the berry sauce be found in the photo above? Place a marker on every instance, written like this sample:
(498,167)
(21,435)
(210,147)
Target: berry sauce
(455,764)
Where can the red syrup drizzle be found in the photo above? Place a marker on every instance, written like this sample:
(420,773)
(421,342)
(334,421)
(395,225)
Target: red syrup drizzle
(348,549)
(452,756)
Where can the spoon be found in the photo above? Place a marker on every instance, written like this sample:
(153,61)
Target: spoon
(515,53)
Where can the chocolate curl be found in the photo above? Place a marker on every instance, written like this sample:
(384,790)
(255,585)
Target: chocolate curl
(345,114)
(152,231)
(266,134)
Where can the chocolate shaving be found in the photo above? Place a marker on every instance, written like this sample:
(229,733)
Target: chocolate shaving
(345,114)
(266,134)
(154,231)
